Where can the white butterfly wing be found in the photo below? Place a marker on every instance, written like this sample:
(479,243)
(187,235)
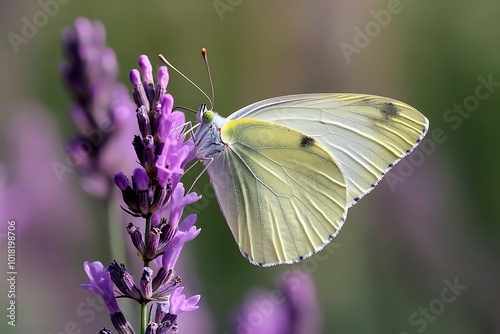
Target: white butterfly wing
(367,135)
(282,194)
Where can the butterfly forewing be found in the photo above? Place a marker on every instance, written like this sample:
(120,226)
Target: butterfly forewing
(282,193)
(365,134)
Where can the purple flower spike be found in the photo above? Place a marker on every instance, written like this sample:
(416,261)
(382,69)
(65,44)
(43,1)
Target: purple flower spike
(101,284)
(179,303)
(90,73)
(156,193)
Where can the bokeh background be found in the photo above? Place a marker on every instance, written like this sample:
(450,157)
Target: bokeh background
(432,222)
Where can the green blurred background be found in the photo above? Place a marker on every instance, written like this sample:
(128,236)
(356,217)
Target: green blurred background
(436,221)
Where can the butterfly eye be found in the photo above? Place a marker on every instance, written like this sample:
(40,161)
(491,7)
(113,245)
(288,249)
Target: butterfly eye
(208,116)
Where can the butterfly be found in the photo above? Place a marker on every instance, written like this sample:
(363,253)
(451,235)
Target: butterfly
(286,170)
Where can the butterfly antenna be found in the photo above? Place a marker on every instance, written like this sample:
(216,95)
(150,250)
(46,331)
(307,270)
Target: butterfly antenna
(205,58)
(185,108)
(163,59)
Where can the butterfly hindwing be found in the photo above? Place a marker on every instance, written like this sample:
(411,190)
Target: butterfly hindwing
(281,192)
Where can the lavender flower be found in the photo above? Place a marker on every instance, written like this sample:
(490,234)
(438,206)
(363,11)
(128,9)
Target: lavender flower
(167,313)
(155,193)
(101,109)
(179,303)
(101,284)
(290,309)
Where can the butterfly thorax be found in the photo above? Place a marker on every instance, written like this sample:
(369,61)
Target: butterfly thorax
(208,140)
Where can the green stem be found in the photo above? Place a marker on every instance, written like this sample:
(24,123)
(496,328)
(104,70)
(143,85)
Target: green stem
(144,317)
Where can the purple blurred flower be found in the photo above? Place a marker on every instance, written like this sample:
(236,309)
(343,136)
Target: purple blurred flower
(30,191)
(290,309)
(101,109)
(32,196)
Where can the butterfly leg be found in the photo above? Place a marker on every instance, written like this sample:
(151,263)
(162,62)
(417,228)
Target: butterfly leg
(199,175)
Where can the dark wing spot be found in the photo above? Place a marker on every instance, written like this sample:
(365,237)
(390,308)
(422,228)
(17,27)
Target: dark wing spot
(389,110)
(306,141)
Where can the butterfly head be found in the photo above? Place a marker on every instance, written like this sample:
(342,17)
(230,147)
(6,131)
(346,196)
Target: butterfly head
(202,115)
(208,116)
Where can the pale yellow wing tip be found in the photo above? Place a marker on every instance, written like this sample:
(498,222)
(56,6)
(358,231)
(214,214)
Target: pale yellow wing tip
(391,165)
